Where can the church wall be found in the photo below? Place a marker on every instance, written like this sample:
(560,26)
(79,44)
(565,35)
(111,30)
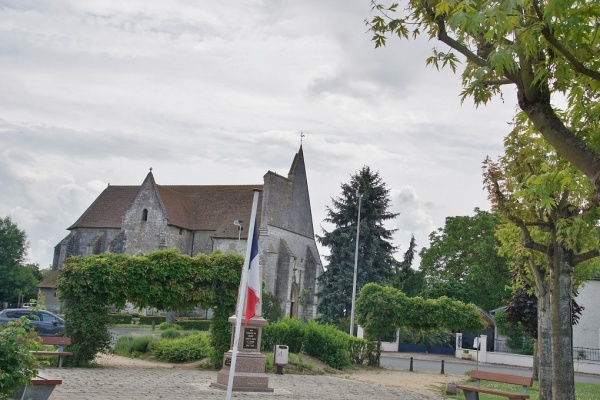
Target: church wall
(279,272)
(203,242)
(83,242)
(149,235)
(229,245)
(179,238)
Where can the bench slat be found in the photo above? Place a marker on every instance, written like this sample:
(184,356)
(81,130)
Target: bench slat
(492,391)
(42,379)
(504,378)
(52,353)
(56,340)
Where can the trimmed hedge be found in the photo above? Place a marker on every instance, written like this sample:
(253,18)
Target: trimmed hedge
(194,324)
(289,332)
(189,348)
(324,342)
(328,344)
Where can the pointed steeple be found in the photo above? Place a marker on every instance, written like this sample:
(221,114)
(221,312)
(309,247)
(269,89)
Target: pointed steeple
(297,163)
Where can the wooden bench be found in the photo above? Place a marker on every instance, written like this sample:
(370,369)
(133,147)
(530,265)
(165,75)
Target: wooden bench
(40,388)
(472,392)
(58,341)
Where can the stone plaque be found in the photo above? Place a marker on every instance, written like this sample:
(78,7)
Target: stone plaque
(228,361)
(250,338)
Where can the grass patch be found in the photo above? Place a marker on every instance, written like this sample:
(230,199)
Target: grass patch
(583,391)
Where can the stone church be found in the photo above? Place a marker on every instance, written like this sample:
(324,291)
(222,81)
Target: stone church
(202,219)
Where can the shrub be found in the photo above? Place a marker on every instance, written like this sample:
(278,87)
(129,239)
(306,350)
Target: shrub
(166,325)
(361,350)
(18,365)
(328,344)
(170,333)
(118,319)
(128,345)
(195,324)
(289,332)
(189,348)
(123,345)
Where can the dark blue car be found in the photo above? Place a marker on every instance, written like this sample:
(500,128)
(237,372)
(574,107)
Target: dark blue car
(44,322)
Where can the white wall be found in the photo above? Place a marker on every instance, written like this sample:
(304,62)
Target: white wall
(587,332)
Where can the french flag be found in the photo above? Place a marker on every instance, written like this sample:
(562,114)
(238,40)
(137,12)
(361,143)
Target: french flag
(254,286)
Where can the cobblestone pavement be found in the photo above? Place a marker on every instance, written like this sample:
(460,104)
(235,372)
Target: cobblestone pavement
(162,383)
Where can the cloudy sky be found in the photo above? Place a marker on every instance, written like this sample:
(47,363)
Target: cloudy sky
(211,92)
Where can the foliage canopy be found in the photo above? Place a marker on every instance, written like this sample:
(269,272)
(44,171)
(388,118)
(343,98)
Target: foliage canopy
(375,251)
(540,47)
(164,279)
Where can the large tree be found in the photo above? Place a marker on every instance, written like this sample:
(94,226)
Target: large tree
(539,47)
(410,281)
(17,279)
(462,261)
(375,250)
(553,232)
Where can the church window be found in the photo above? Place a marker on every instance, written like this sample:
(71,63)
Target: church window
(145,215)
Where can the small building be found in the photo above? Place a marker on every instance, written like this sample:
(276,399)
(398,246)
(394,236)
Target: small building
(204,218)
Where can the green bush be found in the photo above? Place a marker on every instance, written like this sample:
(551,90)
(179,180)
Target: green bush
(189,348)
(17,364)
(123,345)
(195,324)
(128,345)
(166,325)
(328,344)
(361,350)
(289,332)
(170,333)
(119,319)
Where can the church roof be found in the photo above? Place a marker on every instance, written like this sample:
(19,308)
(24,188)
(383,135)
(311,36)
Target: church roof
(108,209)
(193,207)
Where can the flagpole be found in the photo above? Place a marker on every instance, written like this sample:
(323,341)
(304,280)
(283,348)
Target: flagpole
(242,295)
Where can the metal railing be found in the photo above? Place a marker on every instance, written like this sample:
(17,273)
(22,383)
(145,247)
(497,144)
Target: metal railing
(582,353)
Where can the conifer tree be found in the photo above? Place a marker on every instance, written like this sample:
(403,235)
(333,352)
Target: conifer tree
(375,261)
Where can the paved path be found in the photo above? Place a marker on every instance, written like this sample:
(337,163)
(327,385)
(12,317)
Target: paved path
(163,383)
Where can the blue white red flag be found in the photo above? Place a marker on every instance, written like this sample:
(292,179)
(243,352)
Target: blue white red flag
(254,286)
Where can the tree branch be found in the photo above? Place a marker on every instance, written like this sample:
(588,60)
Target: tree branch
(497,82)
(579,258)
(562,49)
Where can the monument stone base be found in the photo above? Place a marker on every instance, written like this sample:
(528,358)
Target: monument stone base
(250,373)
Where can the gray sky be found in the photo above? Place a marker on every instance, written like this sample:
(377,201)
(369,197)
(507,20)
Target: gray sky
(210,92)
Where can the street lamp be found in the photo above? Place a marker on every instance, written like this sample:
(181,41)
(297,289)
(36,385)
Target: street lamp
(359,195)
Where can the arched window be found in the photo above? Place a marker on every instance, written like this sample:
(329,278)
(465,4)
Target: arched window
(145,215)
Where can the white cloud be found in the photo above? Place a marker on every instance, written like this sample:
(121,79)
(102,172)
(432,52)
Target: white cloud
(97,92)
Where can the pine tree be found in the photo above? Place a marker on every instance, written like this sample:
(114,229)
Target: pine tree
(405,278)
(375,261)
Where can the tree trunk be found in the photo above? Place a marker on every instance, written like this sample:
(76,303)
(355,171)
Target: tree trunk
(170,317)
(561,290)
(544,353)
(535,102)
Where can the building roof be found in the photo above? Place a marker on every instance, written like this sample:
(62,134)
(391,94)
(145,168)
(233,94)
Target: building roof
(193,207)
(50,281)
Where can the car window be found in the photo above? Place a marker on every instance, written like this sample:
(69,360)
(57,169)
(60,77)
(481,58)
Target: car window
(47,317)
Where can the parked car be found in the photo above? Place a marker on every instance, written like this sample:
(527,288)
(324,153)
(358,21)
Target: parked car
(44,322)
(28,305)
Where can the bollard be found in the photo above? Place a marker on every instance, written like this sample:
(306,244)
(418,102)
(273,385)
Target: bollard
(411,364)
(442,371)
(153,322)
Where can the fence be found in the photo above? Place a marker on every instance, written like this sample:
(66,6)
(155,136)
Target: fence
(582,353)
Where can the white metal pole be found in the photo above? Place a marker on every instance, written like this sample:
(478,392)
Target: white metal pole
(242,295)
(355,266)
